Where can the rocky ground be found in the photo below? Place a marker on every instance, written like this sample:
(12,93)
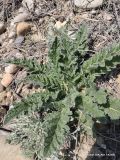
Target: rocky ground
(26,26)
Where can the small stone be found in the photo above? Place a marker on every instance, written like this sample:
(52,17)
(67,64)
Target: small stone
(21,10)
(12,68)
(7,79)
(88,4)
(85,15)
(11,41)
(107,17)
(11,34)
(20,18)
(19,40)
(37,11)
(11,107)
(111,81)
(22,28)
(2,27)
(93,12)
(19,55)
(59,24)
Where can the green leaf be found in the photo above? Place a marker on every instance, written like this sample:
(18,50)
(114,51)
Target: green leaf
(54,52)
(86,122)
(70,98)
(67,71)
(113,110)
(98,95)
(30,64)
(91,108)
(80,43)
(56,128)
(102,62)
(31,101)
(101,96)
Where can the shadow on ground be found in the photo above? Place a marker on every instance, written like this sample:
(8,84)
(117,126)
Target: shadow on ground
(107,145)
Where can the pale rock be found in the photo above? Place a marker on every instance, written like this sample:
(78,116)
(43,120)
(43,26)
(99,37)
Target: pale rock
(59,24)
(88,4)
(19,40)
(20,18)
(2,27)
(11,34)
(11,41)
(93,12)
(22,28)
(111,81)
(12,69)
(37,11)
(107,16)
(7,79)
(19,55)
(29,4)
(85,16)
(21,10)
(11,107)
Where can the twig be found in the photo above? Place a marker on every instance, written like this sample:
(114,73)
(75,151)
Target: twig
(6,130)
(115,140)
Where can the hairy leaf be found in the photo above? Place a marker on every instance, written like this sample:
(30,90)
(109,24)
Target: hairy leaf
(55,125)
